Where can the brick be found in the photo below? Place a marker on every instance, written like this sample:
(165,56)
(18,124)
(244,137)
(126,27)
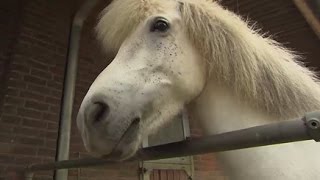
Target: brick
(38,65)
(5,158)
(55,109)
(29,132)
(46,152)
(51,143)
(56,93)
(36,141)
(52,135)
(54,85)
(58,78)
(32,95)
(48,159)
(57,70)
(41,74)
(6,137)
(45,173)
(24,150)
(36,105)
(27,159)
(20,67)
(17,83)
(38,89)
(34,123)
(5,148)
(52,126)
(6,128)
(11,91)
(29,113)
(16,75)
(35,80)
(9,109)
(10,119)
(72,172)
(53,100)
(14,100)
(51,117)
(37,42)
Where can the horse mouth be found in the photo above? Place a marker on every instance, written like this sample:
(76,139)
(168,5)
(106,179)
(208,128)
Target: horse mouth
(124,149)
(134,126)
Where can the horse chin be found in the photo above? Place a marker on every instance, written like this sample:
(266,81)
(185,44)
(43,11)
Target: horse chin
(124,151)
(128,144)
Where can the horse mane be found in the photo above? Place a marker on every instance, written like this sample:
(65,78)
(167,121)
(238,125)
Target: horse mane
(258,70)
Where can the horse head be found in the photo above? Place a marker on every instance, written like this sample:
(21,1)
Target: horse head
(156,71)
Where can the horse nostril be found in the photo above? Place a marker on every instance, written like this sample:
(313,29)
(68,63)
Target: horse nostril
(97,112)
(136,120)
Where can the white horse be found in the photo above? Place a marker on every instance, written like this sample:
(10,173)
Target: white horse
(196,54)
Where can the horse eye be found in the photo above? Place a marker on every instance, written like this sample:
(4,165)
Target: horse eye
(160,25)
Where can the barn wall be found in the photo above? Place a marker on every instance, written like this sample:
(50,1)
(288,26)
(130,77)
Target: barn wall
(10,12)
(32,82)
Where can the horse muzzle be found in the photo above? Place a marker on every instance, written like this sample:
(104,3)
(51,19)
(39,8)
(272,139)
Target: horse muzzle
(106,126)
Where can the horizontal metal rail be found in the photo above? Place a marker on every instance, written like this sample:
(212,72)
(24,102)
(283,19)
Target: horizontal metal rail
(306,128)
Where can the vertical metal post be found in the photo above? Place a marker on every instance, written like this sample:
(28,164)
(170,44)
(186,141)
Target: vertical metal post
(67,101)
(310,17)
(69,87)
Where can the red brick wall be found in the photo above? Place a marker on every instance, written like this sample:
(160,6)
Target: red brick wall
(10,12)
(34,75)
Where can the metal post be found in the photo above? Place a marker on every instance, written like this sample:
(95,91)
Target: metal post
(306,128)
(67,105)
(69,87)
(308,14)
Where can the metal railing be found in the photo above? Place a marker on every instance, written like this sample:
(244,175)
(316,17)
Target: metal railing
(306,128)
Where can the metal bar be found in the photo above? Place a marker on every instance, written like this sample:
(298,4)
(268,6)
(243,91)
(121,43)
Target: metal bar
(67,102)
(69,86)
(308,15)
(276,133)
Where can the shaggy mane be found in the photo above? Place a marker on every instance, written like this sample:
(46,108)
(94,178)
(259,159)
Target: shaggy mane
(259,70)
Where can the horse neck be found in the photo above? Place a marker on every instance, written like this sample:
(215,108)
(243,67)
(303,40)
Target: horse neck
(266,85)
(219,110)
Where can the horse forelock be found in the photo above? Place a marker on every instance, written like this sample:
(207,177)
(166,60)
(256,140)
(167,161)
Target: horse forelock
(120,19)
